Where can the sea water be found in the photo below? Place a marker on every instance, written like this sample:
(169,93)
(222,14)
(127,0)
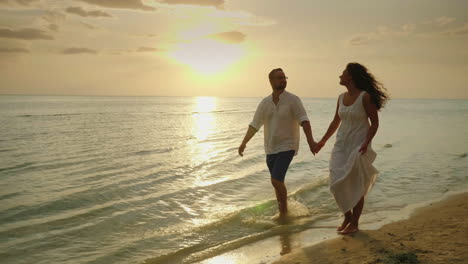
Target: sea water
(90,179)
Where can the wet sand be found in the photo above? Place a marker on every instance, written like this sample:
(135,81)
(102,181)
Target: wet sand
(436,233)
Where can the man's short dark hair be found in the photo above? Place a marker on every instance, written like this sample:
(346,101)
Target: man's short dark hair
(270,75)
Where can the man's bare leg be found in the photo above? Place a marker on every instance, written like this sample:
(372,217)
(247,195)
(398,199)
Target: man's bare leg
(281,196)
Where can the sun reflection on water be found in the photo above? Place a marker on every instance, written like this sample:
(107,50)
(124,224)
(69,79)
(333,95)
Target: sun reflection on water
(203,118)
(203,149)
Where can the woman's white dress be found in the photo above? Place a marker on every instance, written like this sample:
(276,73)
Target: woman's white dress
(352,174)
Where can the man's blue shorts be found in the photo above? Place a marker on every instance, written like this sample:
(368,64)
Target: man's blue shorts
(278,164)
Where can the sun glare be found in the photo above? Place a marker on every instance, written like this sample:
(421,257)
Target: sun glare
(203,118)
(207,56)
(202,148)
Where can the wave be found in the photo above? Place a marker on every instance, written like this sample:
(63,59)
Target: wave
(79,221)
(259,227)
(223,111)
(6,150)
(16,167)
(154,151)
(250,224)
(10,195)
(73,114)
(49,165)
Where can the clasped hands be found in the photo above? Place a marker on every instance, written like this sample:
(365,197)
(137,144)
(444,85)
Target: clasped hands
(315,147)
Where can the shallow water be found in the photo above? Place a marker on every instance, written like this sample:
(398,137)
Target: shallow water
(129,179)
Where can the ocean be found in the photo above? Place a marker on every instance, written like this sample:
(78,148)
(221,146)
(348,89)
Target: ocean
(94,179)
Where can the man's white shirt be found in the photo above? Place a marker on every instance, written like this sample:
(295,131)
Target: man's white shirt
(281,122)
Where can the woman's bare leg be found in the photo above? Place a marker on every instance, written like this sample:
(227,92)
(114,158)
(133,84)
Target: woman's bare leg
(347,219)
(354,223)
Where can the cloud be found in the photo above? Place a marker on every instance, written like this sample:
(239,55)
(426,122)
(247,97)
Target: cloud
(75,50)
(13,50)
(84,13)
(51,20)
(21,2)
(428,28)
(257,21)
(126,4)
(88,26)
(463,30)
(215,3)
(25,33)
(25,2)
(148,49)
(381,33)
(360,40)
(53,27)
(53,16)
(443,20)
(231,37)
(408,28)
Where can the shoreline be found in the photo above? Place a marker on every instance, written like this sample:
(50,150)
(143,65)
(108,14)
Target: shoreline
(433,233)
(294,247)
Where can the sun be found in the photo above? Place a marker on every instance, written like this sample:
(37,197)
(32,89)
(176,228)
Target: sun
(207,56)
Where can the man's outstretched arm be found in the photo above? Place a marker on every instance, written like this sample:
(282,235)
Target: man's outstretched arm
(250,133)
(308,132)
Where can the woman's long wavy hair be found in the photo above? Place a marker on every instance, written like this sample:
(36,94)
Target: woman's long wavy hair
(364,80)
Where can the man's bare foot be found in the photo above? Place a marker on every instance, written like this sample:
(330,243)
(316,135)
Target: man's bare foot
(349,230)
(281,218)
(345,223)
(285,250)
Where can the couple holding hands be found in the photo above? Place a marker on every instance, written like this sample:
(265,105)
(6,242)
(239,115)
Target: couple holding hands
(352,174)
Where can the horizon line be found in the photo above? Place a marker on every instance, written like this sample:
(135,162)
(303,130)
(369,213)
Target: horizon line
(307,97)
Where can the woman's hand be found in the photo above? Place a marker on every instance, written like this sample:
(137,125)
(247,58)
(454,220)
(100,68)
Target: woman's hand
(363,148)
(319,146)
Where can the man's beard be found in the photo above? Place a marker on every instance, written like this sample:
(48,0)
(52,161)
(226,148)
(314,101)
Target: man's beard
(280,87)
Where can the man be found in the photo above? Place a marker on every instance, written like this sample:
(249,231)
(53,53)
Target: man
(282,113)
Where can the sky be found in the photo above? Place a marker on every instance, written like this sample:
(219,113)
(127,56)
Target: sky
(416,48)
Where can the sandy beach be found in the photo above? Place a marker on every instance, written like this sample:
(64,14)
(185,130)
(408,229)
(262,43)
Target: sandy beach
(433,234)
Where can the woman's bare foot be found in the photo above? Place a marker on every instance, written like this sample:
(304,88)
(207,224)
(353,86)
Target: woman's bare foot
(349,230)
(345,223)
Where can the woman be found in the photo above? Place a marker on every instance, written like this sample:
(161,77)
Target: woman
(351,172)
